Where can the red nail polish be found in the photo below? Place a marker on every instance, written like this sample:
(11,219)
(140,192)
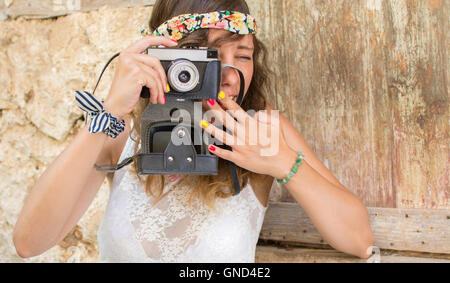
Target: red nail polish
(212,148)
(176,41)
(211,101)
(164,99)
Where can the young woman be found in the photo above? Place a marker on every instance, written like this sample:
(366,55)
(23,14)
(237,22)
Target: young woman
(190,218)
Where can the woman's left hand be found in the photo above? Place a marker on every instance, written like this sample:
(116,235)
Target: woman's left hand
(257,143)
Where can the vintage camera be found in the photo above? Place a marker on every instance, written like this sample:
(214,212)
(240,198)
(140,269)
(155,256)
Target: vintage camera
(171,140)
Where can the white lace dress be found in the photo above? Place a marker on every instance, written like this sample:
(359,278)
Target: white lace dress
(134,230)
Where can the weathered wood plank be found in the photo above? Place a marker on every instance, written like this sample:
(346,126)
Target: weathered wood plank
(418,89)
(421,230)
(366,84)
(326,85)
(53,8)
(269,254)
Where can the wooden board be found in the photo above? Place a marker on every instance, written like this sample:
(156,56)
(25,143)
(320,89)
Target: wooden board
(51,8)
(366,84)
(269,254)
(423,230)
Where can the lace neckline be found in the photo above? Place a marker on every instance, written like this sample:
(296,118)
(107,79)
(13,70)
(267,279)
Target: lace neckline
(171,230)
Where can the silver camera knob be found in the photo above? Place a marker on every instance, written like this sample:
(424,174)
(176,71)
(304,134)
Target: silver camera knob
(181,133)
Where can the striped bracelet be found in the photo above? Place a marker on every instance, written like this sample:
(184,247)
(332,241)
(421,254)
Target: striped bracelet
(297,164)
(101,121)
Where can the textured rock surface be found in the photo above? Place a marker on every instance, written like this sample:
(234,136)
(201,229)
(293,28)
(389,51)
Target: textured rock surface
(41,63)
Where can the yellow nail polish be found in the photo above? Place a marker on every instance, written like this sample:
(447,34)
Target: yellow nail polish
(168,88)
(222,95)
(205,124)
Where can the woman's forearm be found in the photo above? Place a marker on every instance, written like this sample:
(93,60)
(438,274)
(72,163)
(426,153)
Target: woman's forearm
(339,216)
(51,201)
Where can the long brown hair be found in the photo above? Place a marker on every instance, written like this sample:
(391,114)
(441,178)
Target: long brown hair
(208,187)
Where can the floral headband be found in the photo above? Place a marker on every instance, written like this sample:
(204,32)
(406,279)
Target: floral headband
(179,26)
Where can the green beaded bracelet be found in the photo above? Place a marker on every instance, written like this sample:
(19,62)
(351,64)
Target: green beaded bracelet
(298,162)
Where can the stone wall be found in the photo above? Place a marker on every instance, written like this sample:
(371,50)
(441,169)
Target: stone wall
(41,63)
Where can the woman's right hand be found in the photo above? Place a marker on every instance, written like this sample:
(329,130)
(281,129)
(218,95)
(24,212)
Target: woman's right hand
(134,71)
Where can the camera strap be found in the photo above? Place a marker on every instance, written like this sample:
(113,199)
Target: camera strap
(242,82)
(233,171)
(104,69)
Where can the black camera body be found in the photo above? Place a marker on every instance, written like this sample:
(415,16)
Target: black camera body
(171,140)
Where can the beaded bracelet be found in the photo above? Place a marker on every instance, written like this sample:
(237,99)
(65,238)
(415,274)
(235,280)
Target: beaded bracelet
(101,121)
(298,162)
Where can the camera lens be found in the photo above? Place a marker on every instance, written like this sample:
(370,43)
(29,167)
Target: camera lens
(184,76)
